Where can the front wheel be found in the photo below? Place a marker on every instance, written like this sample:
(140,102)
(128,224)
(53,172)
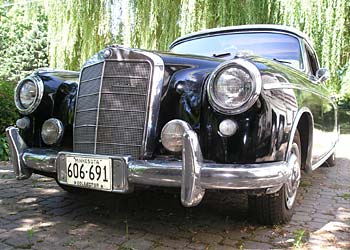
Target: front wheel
(277,208)
(331,160)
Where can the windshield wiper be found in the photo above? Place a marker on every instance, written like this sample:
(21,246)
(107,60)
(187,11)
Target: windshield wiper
(281,61)
(222,54)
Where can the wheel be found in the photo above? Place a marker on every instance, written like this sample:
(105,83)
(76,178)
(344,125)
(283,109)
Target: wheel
(277,208)
(330,162)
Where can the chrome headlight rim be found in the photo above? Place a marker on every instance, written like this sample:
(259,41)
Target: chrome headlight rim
(253,72)
(60,132)
(39,85)
(183,126)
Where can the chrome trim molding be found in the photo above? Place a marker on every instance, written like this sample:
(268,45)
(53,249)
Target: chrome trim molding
(98,105)
(17,147)
(191,174)
(257,85)
(39,94)
(323,158)
(271,86)
(153,102)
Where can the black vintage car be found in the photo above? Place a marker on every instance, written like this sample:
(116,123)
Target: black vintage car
(238,108)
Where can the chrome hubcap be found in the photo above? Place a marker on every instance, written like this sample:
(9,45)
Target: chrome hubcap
(293,181)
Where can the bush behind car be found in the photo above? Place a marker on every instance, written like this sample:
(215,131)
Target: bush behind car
(8,115)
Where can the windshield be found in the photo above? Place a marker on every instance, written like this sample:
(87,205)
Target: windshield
(280,47)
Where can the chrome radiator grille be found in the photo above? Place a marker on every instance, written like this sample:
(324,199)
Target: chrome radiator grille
(111,108)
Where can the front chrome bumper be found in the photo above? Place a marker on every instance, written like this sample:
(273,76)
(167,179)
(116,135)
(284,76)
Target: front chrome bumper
(192,174)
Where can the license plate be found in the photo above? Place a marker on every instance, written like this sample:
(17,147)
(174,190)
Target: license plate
(89,172)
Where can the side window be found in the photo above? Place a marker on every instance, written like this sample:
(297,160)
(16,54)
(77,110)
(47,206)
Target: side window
(312,60)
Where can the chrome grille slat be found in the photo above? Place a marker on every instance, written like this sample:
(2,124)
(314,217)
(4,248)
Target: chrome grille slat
(129,77)
(119,144)
(82,126)
(86,110)
(92,79)
(111,107)
(89,94)
(121,93)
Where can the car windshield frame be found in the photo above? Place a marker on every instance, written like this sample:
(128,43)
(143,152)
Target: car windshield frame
(301,67)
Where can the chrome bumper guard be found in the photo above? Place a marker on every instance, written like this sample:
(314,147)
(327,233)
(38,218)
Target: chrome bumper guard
(192,174)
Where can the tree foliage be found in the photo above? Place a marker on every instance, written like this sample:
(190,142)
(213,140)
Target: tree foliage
(23,40)
(78,28)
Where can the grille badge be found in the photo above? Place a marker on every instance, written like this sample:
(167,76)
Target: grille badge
(107,53)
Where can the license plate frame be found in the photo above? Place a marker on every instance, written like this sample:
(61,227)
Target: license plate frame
(119,171)
(89,172)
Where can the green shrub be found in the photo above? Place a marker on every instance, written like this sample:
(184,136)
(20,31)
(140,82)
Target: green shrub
(4,148)
(8,111)
(8,115)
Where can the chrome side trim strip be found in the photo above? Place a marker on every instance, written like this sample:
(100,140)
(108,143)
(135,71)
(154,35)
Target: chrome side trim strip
(271,86)
(17,147)
(323,158)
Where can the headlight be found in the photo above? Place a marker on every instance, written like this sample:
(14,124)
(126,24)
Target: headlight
(52,131)
(172,135)
(28,94)
(234,86)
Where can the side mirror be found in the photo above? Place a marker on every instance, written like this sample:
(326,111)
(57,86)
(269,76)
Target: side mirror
(322,75)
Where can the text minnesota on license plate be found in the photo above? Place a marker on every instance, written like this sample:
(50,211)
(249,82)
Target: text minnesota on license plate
(89,172)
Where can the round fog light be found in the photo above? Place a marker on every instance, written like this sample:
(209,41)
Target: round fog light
(228,128)
(172,134)
(52,131)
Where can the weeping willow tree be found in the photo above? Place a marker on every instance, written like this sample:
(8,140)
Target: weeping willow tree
(325,21)
(79,28)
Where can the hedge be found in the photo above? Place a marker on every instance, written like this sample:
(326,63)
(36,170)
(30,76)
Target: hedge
(8,115)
